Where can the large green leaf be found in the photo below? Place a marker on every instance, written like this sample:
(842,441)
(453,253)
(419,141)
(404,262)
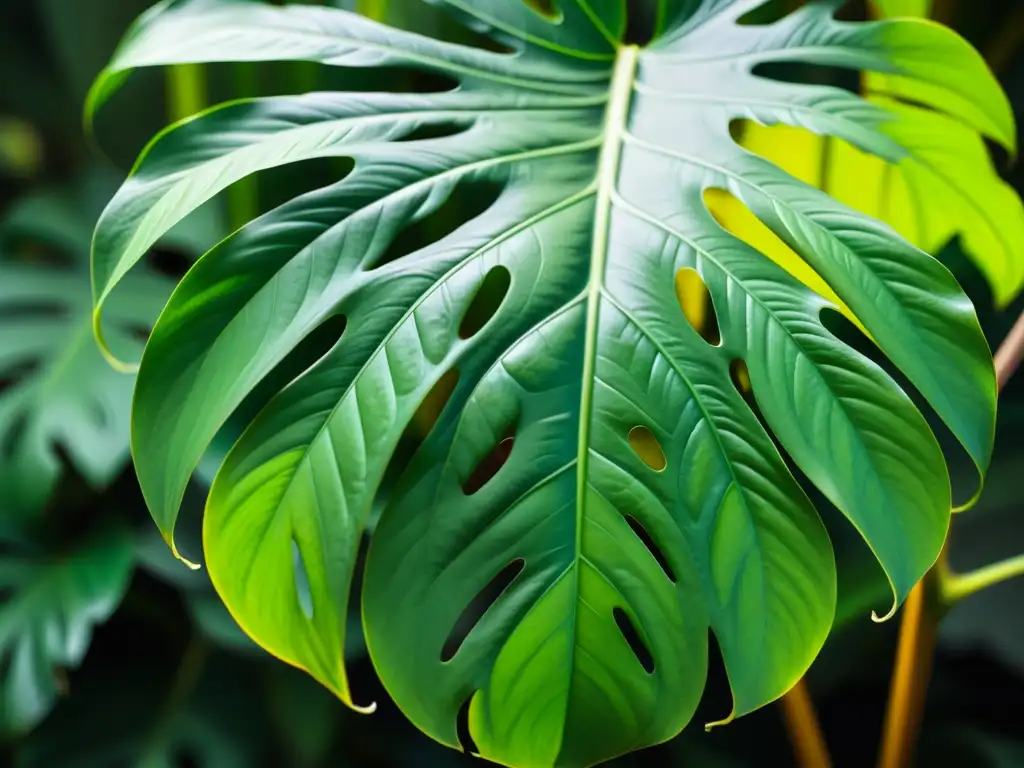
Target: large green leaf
(624,418)
(52,601)
(56,391)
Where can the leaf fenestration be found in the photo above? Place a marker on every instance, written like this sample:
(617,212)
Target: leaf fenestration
(603,155)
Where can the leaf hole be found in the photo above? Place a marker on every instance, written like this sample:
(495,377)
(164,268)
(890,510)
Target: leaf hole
(545,8)
(844,329)
(302,590)
(740,375)
(316,344)
(462,729)
(431,131)
(468,201)
(733,215)
(270,188)
(429,411)
(169,261)
(489,466)
(646,446)
(697,305)
(478,606)
(652,547)
(634,640)
(487,301)
(804,73)
(415,433)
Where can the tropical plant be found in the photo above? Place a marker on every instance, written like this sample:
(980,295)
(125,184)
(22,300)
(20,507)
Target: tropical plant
(596,483)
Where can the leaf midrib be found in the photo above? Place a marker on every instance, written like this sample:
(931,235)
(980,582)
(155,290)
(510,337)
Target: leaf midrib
(616,119)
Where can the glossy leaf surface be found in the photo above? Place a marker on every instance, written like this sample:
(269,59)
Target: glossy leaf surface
(594,485)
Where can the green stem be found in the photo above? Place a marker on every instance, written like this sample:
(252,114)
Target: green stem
(244,195)
(373,9)
(186,91)
(954,587)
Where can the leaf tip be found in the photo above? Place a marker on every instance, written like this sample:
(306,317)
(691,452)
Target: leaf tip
(367,710)
(882,619)
(113,360)
(708,727)
(169,538)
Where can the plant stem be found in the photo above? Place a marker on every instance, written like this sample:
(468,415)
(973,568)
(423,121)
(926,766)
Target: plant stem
(914,653)
(956,586)
(1009,354)
(243,195)
(186,91)
(925,606)
(185,680)
(803,728)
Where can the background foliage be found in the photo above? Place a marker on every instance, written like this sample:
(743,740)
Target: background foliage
(112,653)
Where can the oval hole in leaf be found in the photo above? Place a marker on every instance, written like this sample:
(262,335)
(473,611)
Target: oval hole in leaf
(801,72)
(647,447)
(740,376)
(433,404)
(487,301)
(465,735)
(478,606)
(468,201)
(304,356)
(489,466)
(652,547)
(545,8)
(302,589)
(840,326)
(698,308)
(428,131)
(636,643)
(168,260)
(415,433)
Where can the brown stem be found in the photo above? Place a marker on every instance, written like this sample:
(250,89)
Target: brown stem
(1001,50)
(805,734)
(921,613)
(914,653)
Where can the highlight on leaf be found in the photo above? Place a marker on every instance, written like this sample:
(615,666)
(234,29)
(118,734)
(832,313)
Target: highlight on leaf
(544,378)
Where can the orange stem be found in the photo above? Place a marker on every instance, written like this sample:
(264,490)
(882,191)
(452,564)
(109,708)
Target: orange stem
(922,611)
(804,730)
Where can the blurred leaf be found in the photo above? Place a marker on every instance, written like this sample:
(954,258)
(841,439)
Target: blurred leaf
(57,393)
(21,148)
(120,715)
(949,187)
(53,600)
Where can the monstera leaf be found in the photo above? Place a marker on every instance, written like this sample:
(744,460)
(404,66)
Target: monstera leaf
(56,391)
(52,601)
(946,187)
(596,493)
